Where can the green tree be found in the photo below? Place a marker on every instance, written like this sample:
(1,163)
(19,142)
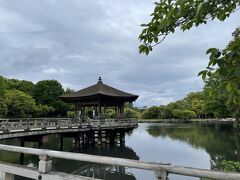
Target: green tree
(130,113)
(19,104)
(151,113)
(21,85)
(110,113)
(184,114)
(42,110)
(195,102)
(46,92)
(224,68)
(2,86)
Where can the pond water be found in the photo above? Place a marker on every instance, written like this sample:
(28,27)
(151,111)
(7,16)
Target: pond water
(186,145)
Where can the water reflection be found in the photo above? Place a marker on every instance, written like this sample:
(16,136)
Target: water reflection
(96,170)
(220,142)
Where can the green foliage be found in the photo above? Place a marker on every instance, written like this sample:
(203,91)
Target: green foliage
(17,100)
(71,114)
(131,113)
(46,92)
(3,108)
(21,85)
(19,103)
(171,14)
(42,110)
(184,114)
(110,113)
(151,113)
(230,166)
(224,70)
(2,86)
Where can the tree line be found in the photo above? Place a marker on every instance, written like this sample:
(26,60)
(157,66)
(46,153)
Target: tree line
(199,105)
(21,98)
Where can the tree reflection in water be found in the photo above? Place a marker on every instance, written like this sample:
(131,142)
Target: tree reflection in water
(220,142)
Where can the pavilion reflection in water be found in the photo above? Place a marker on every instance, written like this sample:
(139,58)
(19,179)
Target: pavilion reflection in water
(108,172)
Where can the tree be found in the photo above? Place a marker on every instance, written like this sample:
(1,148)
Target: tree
(42,110)
(151,113)
(224,68)
(184,114)
(195,102)
(21,85)
(130,113)
(2,86)
(19,104)
(46,92)
(110,113)
(171,14)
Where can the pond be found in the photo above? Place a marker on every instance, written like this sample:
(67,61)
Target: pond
(182,144)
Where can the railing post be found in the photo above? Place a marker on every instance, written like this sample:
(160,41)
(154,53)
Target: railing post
(89,122)
(99,122)
(58,124)
(6,127)
(27,126)
(45,164)
(69,124)
(44,124)
(161,174)
(6,176)
(80,122)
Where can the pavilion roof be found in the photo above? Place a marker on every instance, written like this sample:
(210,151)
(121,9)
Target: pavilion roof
(99,89)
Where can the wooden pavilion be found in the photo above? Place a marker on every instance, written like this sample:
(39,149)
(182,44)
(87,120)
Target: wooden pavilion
(99,96)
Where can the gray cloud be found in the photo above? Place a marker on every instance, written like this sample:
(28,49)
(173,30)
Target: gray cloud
(76,41)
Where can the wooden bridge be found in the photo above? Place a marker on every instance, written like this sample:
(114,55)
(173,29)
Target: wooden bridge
(91,131)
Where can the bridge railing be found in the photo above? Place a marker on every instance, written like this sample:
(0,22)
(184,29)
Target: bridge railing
(45,166)
(26,124)
(112,122)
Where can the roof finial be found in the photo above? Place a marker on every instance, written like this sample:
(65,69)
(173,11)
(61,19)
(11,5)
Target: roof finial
(100,80)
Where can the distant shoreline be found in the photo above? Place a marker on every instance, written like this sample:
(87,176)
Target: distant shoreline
(180,120)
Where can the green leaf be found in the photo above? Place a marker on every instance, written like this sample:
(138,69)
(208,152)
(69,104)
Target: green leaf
(212,50)
(202,72)
(229,86)
(199,8)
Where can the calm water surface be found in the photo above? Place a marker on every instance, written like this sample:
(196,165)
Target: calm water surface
(186,145)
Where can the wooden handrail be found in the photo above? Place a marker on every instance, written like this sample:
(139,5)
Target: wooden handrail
(161,170)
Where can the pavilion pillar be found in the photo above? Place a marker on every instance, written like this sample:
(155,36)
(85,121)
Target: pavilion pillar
(82,112)
(76,110)
(104,111)
(99,110)
(123,110)
(116,110)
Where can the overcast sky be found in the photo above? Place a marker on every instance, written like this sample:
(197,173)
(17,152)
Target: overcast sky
(75,41)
